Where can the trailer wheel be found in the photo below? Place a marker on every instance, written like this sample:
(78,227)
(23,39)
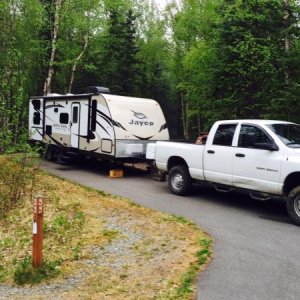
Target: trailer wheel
(293,205)
(179,180)
(50,153)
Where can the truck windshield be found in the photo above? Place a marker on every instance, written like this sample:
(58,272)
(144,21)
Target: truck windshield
(288,133)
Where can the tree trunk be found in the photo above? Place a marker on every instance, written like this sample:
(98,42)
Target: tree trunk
(74,67)
(287,41)
(54,33)
(198,119)
(187,121)
(183,114)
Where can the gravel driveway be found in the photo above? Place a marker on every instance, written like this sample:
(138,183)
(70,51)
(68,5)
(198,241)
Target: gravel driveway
(257,249)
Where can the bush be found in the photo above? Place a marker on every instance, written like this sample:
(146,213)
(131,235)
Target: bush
(26,274)
(16,179)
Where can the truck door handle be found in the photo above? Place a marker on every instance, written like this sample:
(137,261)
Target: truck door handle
(240,155)
(210,151)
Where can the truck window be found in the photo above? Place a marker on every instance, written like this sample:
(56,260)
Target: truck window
(249,135)
(64,118)
(224,135)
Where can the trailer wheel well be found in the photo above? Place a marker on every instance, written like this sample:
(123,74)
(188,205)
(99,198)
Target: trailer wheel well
(290,182)
(176,161)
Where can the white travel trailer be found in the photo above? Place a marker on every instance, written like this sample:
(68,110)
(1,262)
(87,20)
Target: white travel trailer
(96,124)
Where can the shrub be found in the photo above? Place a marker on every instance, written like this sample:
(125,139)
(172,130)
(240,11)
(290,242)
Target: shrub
(26,274)
(16,179)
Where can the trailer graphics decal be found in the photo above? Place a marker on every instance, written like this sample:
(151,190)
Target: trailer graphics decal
(90,136)
(109,120)
(54,105)
(103,128)
(54,140)
(63,127)
(163,127)
(140,116)
(143,139)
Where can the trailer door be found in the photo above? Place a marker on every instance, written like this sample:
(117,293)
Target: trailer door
(75,125)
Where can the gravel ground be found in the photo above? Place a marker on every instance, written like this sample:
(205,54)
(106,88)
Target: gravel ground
(114,255)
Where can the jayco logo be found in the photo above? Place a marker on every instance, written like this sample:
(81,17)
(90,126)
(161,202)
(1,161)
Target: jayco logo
(141,121)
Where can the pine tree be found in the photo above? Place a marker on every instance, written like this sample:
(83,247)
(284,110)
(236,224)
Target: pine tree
(252,59)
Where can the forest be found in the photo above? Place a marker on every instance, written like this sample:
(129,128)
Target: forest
(202,60)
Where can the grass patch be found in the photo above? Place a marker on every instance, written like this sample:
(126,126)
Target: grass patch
(188,279)
(117,249)
(26,274)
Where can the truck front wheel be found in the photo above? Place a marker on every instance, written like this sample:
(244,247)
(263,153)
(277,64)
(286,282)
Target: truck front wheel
(179,180)
(293,205)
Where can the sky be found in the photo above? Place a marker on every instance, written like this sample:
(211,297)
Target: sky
(161,3)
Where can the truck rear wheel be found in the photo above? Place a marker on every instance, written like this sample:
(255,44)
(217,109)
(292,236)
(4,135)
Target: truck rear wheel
(293,205)
(179,180)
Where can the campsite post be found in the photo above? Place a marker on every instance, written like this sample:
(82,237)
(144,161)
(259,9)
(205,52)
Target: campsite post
(37,253)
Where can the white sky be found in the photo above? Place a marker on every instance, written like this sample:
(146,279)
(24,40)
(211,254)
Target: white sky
(161,3)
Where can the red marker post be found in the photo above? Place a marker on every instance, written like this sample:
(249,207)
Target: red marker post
(38,211)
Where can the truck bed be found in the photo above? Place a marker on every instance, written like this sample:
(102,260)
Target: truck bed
(192,154)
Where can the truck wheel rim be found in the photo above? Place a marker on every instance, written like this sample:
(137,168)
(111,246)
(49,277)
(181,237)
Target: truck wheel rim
(177,181)
(297,206)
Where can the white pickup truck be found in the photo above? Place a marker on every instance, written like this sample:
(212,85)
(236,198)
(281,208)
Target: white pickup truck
(260,157)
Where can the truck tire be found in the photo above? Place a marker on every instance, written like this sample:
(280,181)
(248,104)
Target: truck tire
(179,180)
(293,205)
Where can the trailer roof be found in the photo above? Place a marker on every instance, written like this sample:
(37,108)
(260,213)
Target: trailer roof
(117,98)
(108,97)
(58,96)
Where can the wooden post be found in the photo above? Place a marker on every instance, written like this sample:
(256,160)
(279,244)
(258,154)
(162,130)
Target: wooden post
(37,253)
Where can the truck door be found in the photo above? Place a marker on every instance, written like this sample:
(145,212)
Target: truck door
(218,155)
(255,168)
(75,125)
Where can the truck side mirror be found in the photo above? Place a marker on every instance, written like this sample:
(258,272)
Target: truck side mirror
(271,146)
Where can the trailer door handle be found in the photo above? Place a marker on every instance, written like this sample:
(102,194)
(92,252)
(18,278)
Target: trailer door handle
(240,155)
(210,151)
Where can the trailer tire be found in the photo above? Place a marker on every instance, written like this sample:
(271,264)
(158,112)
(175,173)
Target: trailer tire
(50,153)
(293,205)
(179,180)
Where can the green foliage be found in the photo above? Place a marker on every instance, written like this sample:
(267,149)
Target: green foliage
(185,288)
(110,235)
(16,179)
(251,70)
(203,60)
(26,274)
(19,46)
(66,224)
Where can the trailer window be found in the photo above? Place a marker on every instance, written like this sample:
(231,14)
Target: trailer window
(36,118)
(75,115)
(94,115)
(36,104)
(64,118)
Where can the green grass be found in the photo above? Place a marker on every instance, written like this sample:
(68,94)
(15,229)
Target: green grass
(185,288)
(26,274)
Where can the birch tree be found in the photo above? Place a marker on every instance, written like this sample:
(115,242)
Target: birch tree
(54,36)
